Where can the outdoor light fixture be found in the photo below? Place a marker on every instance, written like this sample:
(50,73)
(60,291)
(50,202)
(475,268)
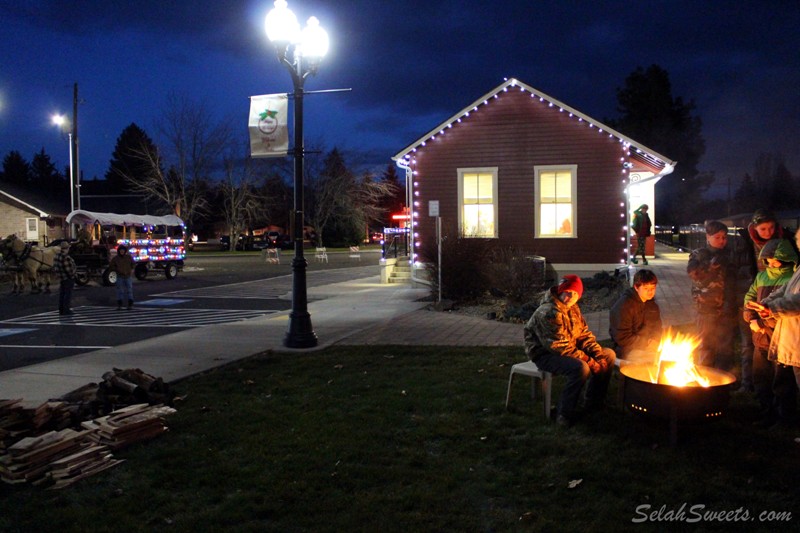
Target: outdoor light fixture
(64,125)
(300,52)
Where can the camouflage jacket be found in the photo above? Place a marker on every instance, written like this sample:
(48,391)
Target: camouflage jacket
(713,281)
(560,330)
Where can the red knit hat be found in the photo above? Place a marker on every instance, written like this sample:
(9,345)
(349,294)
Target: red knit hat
(570,282)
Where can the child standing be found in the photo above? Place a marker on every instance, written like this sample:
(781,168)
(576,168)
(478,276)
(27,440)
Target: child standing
(779,259)
(713,291)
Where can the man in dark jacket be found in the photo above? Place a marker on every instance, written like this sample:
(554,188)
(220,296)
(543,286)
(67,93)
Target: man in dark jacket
(635,321)
(65,268)
(641,225)
(558,340)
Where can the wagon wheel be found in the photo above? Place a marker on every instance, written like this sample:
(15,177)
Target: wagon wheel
(171,270)
(81,278)
(109,277)
(141,271)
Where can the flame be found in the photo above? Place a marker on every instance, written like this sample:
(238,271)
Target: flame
(676,361)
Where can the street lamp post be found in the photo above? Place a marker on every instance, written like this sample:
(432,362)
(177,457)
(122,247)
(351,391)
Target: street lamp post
(300,52)
(62,122)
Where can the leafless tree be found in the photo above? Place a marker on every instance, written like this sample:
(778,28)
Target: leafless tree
(191,148)
(241,203)
(337,194)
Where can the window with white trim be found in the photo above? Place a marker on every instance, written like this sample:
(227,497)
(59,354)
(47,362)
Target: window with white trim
(556,200)
(477,202)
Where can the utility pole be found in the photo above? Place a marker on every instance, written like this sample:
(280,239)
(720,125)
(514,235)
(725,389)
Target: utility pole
(76,170)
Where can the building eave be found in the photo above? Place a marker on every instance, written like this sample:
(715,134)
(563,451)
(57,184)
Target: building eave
(659,162)
(42,214)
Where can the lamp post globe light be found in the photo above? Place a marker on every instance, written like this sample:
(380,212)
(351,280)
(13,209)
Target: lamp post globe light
(63,124)
(300,52)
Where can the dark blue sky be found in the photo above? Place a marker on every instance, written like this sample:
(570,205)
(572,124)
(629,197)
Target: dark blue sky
(410,64)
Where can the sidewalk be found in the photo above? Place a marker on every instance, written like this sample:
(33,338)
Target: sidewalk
(360,312)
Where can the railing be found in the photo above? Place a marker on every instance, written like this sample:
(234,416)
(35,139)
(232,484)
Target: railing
(689,237)
(393,247)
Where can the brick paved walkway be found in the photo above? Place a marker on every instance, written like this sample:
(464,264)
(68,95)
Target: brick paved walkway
(425,327)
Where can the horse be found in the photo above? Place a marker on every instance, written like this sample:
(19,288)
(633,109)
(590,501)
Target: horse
(23,259)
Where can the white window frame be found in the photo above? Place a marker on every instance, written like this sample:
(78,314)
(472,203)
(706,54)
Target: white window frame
(477,170)
(537,171)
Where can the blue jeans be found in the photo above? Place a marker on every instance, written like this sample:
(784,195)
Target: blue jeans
(577,373)
(124,289)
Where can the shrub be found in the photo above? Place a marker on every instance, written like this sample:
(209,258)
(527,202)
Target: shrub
(464,267)
(515,274)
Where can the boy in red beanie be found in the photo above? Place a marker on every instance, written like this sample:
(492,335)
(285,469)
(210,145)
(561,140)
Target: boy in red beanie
(558,340)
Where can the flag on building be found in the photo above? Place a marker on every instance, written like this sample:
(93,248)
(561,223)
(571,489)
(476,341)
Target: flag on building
(269,125)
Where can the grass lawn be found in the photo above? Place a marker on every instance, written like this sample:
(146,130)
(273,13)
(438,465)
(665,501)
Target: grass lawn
(415,439)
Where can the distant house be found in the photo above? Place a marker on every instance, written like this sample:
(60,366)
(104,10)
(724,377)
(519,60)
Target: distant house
(526,170)
(31,217)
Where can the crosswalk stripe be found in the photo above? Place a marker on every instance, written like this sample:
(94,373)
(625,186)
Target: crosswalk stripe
(140,317)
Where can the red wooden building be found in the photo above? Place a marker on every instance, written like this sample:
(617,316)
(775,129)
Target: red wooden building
(531,172)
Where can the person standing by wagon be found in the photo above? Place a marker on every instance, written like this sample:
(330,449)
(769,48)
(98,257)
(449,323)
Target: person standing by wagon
(123,265)
(64,266)
(642,226)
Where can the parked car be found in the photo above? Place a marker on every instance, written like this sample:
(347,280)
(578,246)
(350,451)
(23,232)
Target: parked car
(273,237)
(260,244)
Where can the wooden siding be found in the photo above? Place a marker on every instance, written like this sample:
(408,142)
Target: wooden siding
(515,133)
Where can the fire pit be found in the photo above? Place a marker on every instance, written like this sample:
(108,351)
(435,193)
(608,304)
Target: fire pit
(675,388)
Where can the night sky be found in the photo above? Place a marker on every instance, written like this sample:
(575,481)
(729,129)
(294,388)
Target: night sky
(410,64)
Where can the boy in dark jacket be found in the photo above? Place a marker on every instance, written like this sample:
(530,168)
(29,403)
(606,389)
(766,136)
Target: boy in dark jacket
(635,321)
(713,290)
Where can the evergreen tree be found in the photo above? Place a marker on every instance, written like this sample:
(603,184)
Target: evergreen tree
(653,117)
(783,190)
(16,170)
(746,197)
(46,179)
(127,161)
(396,202)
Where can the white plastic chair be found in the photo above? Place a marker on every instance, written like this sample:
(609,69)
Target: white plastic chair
(530,369)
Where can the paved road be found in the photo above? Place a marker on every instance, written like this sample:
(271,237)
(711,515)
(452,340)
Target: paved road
(212,290)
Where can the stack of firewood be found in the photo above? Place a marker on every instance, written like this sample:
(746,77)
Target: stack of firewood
(129,425)
(30,459)
(38,446)
(63,457)
(119,388)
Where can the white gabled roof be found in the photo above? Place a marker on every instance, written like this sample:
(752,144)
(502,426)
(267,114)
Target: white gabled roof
(108,219)
(642,152)
(41,213)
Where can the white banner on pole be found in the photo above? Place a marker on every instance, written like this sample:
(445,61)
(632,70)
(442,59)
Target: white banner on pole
(269,125)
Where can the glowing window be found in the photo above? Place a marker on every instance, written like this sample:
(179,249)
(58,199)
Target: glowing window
(477,198)
(555,200)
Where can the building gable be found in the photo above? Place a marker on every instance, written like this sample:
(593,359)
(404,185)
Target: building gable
(520,133)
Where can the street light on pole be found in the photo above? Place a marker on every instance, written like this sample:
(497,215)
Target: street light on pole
(301,53)
(62,122)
